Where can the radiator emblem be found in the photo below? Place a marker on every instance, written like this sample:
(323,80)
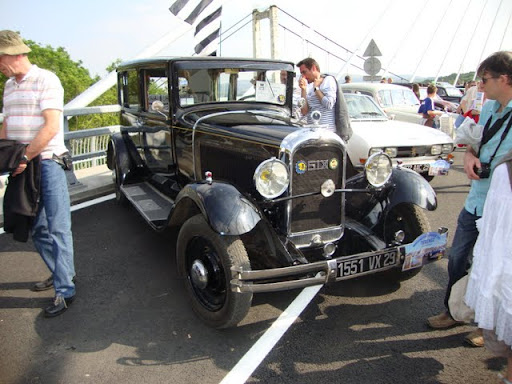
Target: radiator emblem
(300,167)
(333,163)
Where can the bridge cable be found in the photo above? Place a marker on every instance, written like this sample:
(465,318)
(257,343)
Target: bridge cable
(406,35)
(452,40)
(505,31)
(427,48)
(469,43)
(365,39)
(487,38)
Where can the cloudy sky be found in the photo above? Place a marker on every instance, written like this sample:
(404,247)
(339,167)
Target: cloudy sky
(414,36)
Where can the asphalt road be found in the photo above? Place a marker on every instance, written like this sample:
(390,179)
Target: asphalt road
(131,322)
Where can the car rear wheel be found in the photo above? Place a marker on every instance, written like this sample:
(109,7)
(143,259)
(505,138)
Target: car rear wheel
(413,221)
(205,258)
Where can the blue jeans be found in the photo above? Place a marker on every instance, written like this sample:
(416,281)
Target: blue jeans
(461,253)
(51,232)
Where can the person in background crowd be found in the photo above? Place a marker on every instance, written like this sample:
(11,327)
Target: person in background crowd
(383,80)
(479,163)
(489,289)
(348,79)
(390,80)
(473,101)
(318,91)
(33,104)
(427,108)
(416,90)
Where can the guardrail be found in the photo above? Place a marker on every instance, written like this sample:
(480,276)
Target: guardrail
(87,146)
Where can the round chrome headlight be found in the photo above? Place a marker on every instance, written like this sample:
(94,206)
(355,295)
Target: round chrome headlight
(271,178)
(378,169)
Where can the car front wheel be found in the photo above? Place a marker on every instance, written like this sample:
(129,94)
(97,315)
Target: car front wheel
(413,221)
(205,258)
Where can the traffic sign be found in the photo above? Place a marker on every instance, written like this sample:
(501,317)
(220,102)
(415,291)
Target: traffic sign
(372,66)
(371,78)
(372,50)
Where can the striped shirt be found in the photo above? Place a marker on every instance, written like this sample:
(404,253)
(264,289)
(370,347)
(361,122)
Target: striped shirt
(24,102)
(324,106)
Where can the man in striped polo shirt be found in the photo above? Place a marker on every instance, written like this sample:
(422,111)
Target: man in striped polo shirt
(319,93)
(33,104)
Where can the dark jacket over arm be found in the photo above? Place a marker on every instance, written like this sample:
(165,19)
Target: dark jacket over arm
(22,193)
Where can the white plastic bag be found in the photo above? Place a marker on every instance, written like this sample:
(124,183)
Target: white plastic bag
(469,133)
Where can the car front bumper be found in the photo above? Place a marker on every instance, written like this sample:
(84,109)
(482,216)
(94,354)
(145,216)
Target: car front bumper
(427,248)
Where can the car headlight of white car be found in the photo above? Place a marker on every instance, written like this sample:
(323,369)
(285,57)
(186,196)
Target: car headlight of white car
(271,178)
(447,148)
(390,151)
(436,149)
(378,169)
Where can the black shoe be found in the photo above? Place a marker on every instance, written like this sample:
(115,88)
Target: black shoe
(60,304)
(43,285)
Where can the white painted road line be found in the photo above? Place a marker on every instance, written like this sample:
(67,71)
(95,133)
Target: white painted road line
(253,358)
(85,204)
(88,203)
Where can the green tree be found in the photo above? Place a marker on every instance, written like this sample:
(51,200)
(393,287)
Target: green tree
(75,79)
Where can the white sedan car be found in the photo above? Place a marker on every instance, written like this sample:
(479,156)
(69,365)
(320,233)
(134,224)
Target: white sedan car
(397,101)
(423,149)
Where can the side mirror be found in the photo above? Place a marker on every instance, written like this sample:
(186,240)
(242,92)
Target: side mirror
(157,105)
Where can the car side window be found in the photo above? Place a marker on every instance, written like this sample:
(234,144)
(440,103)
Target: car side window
(156,87)
(398,97)
(130,90)
(441,92)
(194,86)
(384,98)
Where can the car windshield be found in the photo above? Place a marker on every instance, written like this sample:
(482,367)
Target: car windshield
(362,107)
(397,97)
(232,84)
(452,91)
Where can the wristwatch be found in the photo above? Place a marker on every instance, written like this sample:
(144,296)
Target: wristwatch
(25,159)
(317,89)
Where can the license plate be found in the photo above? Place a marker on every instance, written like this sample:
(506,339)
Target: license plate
(366,264)
(418,167)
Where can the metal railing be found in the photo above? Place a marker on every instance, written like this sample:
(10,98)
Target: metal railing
(87,146)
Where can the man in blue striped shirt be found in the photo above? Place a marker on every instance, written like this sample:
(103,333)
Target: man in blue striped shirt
(319,93)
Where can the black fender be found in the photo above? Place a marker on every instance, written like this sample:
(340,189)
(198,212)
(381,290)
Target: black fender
(117,153)
(411,187)
(123,153)
(404,186)
(226,210)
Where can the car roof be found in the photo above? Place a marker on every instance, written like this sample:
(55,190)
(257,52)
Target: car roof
(373,86)
(165,59)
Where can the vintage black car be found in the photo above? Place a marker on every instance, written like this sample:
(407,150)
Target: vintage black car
(262,203)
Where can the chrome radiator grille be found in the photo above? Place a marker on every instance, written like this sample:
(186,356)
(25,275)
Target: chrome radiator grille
(311,167)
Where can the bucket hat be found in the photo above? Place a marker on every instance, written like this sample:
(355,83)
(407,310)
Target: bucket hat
(12,44)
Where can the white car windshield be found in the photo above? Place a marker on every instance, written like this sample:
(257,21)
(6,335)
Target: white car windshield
(397,97)
(362,107)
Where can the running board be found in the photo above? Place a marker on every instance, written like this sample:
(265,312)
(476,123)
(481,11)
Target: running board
(151,204)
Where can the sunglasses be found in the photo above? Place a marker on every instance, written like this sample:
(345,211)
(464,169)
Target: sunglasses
(484,79)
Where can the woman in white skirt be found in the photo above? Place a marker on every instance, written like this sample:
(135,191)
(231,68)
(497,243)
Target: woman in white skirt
(489,290)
